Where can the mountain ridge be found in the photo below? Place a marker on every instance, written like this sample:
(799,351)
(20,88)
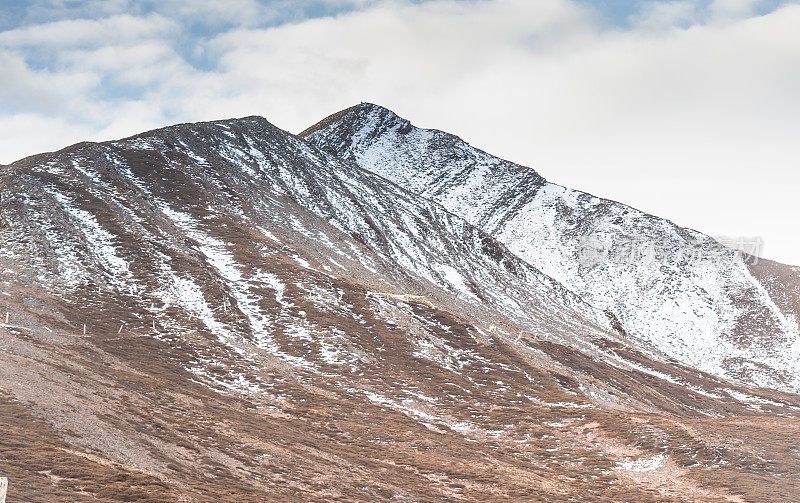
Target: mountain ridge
(336,116)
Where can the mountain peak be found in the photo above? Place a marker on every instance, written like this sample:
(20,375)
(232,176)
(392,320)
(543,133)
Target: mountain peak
(366,117)
(252,126)
(251,123)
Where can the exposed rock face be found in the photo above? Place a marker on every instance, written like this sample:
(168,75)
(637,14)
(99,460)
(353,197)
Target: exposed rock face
(228,312)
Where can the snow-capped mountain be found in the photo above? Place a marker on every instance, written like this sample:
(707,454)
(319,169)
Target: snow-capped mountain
(224,311)
(677,289)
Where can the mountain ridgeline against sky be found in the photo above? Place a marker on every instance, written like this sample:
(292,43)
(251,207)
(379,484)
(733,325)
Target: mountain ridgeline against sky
(368,311)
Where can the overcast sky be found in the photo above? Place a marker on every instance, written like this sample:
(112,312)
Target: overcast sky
(686,109)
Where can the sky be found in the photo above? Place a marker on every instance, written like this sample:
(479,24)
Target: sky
(686,109)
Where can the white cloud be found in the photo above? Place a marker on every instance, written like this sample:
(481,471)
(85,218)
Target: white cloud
(58,35)
(660,15)
(692,113)
(733,9)
(27,134)
(241,12)
(26,90)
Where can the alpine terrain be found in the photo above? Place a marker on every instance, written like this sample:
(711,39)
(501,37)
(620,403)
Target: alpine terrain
(370,311)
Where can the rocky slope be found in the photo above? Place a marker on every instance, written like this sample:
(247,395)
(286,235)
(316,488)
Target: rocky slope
(678,290)
(226,312)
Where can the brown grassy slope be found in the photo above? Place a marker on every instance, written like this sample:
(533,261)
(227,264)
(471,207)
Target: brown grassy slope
(118,418)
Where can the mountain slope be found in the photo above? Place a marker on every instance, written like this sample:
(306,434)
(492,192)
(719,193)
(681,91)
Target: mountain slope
(187,179)
(674,288)
(215,312)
